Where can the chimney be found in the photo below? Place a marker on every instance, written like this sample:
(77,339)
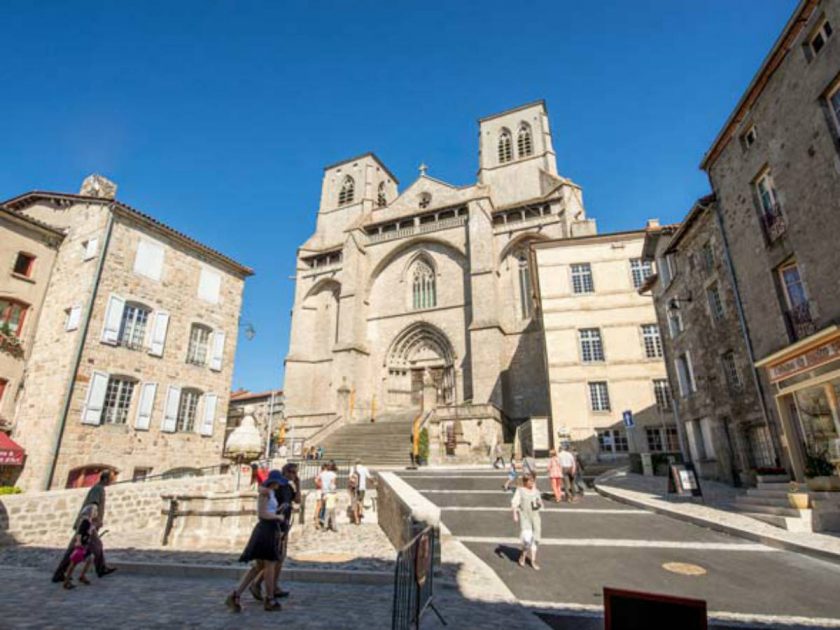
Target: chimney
(99,187)
(652,224)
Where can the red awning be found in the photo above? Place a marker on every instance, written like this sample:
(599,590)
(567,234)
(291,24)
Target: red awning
(11,453)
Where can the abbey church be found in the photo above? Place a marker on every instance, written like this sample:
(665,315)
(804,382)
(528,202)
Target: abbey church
(432,279)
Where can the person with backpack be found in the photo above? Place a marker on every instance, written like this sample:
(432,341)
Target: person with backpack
(358,487)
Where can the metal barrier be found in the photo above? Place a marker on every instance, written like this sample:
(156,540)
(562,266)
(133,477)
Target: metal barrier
(414,578)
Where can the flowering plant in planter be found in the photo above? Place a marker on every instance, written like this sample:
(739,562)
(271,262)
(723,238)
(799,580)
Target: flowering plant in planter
(10,343)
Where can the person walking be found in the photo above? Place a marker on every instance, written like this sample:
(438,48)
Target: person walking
(358,488)
(95,496)
(526,504)
(263,547)
(567,462)
(555,474)
(579,483)
(499,453)
(328,479)
(511,476)
(81,549)
(319,496)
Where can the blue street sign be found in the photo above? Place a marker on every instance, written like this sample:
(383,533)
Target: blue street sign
(627,416)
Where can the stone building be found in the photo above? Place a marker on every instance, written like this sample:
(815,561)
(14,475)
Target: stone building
(434,278)
(131,365)
(775,171)
(602,345)
(267,409)
(713,381)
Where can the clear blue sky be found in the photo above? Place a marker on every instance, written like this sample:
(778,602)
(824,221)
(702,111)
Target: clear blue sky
(218,117)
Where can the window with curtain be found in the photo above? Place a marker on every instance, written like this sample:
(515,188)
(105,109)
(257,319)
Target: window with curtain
(187,406)
(423,294)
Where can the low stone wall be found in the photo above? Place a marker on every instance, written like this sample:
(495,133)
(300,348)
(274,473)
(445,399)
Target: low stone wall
(36,516)
(402,511)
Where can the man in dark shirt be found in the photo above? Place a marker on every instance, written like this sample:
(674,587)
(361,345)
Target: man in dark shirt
(288,499)
(95,495)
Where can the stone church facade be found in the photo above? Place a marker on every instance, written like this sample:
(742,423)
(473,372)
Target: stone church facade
(433,279)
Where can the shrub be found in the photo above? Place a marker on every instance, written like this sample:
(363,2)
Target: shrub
(423,445)
(10,490)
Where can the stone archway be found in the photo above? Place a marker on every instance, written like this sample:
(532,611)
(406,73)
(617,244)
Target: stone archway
(418,348)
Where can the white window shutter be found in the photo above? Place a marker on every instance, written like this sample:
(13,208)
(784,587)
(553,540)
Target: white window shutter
(145,406)
(161,323)
(149,259)
(92,412)
(73,317)
(209,416)
(170,412)
(113,319)
(209,285)
(218,351)
(91,248)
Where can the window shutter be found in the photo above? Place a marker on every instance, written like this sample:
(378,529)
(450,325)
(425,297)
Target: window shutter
(145,406)
(209,285)
(209,416)
(170,413)
(161,323)
(149,259)
(91,248)
(92,412)
(73,317)
(218,351)
(113,319)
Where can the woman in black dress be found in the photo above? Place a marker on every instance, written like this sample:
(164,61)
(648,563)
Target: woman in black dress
(264,545)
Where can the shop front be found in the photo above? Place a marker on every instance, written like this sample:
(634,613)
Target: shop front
(805,378)
(12,458)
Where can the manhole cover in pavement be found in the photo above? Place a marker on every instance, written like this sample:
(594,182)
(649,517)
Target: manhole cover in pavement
(684,568)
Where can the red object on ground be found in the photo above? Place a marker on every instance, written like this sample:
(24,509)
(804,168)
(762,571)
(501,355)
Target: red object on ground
(11,453)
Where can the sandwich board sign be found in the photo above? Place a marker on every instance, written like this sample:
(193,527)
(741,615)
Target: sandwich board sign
(683,480)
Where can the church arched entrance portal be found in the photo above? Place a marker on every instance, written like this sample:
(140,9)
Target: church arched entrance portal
(416,350)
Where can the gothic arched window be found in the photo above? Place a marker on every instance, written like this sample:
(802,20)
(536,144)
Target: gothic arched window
(524,144)
(348,188)
(505,146)
(380,196)
(524,273)
(423,293)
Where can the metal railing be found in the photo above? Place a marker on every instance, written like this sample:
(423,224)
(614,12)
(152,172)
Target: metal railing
(414,581)
(774,222)
(801,320)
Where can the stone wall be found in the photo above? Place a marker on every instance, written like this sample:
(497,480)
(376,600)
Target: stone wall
(39,516)
(402,511)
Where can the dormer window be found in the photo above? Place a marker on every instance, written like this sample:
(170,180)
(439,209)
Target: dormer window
(819,37)
(425,200)
(505,146)
(348,189)
(381,202)
(524,145)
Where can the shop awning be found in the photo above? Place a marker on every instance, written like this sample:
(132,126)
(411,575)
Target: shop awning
(11,453)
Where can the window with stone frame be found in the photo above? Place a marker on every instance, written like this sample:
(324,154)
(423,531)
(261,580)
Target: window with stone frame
(135,317)
(117,400)
(524,144)
(654,437)
(599,396)
(591,346)
(640,270)
(730,370)
(766,191)
(12,316)
(3,384)
(715,302)
(832,101)
(525,293)
(187,405)
(685,374)
(662,393)
(381,201)
(675,323)
(582,282)
(652,341)
(819,38)
(347,192)
(423,289)
(612,441)
(199,345)
(708,257)
(24,264)
(505,148)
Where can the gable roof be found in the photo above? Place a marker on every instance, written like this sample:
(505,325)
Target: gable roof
(16,204)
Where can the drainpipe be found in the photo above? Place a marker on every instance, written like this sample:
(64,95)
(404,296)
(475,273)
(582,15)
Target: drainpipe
(80,344)
(742,320)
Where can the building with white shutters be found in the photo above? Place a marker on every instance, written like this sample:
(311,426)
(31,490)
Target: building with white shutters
(131,364)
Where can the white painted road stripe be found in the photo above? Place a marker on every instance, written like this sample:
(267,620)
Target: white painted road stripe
(432,491)
(548,509)
(609,542)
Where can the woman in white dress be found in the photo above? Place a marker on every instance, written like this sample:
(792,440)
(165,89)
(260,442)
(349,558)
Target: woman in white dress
(527,503)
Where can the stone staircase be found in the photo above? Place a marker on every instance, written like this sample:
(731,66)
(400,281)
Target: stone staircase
(769,503)
(384,443)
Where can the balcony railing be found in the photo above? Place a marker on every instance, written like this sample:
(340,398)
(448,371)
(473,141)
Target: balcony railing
(801,320)
(774,223)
